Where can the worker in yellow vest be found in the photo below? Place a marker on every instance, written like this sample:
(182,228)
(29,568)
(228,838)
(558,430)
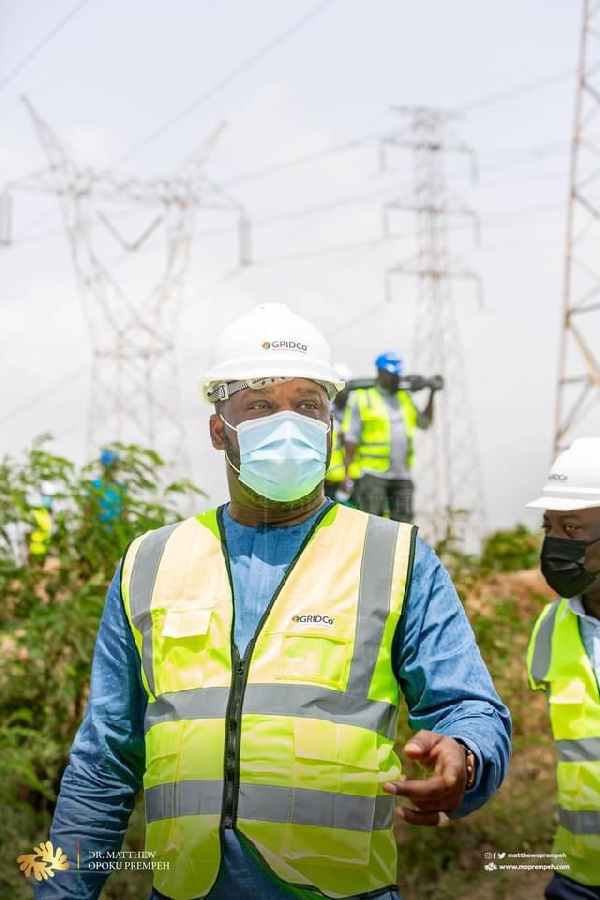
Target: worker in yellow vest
(564,662)
(41,515)
(249,664)
(380,426)
(336,473)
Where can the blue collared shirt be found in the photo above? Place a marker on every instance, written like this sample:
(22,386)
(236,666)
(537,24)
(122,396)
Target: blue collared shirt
(444,680)
(590,633)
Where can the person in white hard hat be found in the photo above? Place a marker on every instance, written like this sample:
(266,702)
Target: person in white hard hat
(564,661)
(254,657)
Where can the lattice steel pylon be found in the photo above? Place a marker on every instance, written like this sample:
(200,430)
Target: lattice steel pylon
(134,385)
(449,489)
(578,387)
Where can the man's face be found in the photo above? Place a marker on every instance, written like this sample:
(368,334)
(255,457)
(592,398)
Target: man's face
(578,525)
(300,395)
(388,381)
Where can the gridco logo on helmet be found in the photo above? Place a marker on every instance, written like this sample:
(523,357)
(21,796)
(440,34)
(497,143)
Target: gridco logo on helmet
(285,345)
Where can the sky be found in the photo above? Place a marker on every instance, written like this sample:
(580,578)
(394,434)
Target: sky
(298,97)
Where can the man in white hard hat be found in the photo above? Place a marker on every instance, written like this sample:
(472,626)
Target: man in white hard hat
(250,660)
(564,661)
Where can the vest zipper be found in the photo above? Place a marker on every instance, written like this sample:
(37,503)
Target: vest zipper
(240,670)
(233,723)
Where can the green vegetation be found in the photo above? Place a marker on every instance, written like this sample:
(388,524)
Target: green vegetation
(48,621)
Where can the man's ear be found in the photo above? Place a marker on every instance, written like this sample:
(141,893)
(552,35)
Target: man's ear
(216,427)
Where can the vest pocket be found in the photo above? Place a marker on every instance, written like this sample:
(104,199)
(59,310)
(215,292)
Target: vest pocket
(336,778)
(181,642)
(567,708)
(569,783)
(323,658)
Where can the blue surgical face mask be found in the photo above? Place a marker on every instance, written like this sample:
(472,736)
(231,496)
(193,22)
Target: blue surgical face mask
(283,456)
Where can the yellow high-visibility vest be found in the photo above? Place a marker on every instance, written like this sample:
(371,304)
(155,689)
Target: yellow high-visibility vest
(337,466)
(290,744)
(376,433)
(39,539)
(558,664)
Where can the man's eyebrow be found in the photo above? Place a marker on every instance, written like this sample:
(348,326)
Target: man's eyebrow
(268,389)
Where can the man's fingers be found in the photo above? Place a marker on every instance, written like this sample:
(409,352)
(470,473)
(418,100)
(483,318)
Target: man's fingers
(422,744)
(415,817)
(428,789)
(451,771)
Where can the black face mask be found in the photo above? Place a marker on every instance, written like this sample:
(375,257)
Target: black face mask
(563,566)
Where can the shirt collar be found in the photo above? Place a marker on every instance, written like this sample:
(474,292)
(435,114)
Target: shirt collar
(576,606)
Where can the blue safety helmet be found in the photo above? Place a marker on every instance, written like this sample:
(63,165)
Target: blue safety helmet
(390,362)
(109,457)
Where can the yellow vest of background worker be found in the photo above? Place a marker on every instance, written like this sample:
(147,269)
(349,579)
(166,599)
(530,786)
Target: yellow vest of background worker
(291,744)
(376,433)
(39,539)
(337,467)
(558,664)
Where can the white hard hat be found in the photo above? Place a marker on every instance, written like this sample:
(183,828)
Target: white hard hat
(47,488)
(574,479)
(269,342)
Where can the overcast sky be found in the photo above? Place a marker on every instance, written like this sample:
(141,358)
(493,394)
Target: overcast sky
(115,73)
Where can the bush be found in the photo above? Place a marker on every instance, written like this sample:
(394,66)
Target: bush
(49,617)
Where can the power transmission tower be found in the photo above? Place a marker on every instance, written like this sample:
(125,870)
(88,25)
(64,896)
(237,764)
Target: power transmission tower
(449,492)
(134,384)
(578,388)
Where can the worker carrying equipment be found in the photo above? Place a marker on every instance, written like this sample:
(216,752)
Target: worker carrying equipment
(380,424)
(563,658)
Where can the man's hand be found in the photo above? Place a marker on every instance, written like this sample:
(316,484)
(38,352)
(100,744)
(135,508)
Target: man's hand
(348,485)
(440,794)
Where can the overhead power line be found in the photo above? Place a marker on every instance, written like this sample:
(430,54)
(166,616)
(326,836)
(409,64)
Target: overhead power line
(41,44)
(518,91)
(295,162)
(226,80)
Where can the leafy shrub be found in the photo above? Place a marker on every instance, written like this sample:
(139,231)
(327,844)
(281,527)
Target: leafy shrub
(49,617)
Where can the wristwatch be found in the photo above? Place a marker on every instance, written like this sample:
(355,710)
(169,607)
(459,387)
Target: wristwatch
(470,762)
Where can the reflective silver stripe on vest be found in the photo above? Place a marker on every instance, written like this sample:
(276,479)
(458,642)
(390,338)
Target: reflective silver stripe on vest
(542,651)
(143,577)
(183,798)
(584,750)
(580,821)
(200,703)
(301,806)
(375,585)
(272,803)
(303,701)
